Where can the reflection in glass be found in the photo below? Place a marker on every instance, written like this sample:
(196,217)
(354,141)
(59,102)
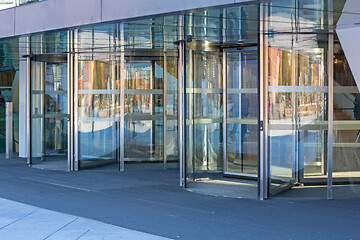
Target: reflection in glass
(242,111)
(204,113)
(98,113)
(144,109)
(297,104)
(346,143)
(49,112)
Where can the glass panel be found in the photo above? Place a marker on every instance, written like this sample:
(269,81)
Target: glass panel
(242,111)
(297,115)
(242,23)
(56,112)
(171,111)
(144,110)
(98,98)
(205,25)
(9,88)
(37,111)
(49,114)
(98,114)
(346,144)
(204,113)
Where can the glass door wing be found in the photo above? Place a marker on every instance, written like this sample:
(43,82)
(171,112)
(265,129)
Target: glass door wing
(297,112)
(49,111)
(242,111)
(98,113)
(204,107)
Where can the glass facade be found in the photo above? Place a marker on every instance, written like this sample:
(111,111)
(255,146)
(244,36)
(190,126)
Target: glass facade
(346,167)
(9,89)
(259,97)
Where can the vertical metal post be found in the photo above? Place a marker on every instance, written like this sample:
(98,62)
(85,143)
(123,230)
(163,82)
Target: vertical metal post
(330,100)
(165,99)
(122,98)
(263,168)
(9,129)
(43,66)
(69,100)
(224,90)
(152,110)
(295,116)
(75,100)
(181,104)
(28,102)
(189,78)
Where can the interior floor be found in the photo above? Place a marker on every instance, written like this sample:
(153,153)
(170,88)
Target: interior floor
(319,192)
(225,187)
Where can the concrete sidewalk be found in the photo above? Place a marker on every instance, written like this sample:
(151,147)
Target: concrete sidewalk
(152,202)
(21,221)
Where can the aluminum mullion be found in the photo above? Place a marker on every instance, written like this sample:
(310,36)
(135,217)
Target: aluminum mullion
(152,108)
(224,85)
(164,100)
(28,102)
(181,104)
(122,98)
(75,105)
(69,100)
(263,169)
(330,101)
(295,117)
(43,67)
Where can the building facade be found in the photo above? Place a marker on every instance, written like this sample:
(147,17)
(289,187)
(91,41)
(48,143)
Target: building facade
(259,96)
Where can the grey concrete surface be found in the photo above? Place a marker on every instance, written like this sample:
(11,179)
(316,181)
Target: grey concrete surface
(152,202)
(20,221)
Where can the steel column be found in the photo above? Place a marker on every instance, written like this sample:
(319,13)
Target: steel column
(164,99)
(70,119)
(330,100)
(224,91)
(28,102)
(122,98)
(75,102)
(181,104)
(263,167)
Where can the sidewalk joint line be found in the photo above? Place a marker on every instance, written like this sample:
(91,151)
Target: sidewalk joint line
(83,234)
(61,228)
(19,219)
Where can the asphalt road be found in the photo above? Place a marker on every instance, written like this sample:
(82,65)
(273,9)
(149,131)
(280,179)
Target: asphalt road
(152,202)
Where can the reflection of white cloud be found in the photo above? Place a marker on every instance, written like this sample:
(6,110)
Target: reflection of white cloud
(285,39)
(288,123)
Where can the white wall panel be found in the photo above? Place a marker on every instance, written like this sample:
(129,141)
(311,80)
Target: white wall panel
(349,39)
(7,22)
(113,9)
(55,14)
